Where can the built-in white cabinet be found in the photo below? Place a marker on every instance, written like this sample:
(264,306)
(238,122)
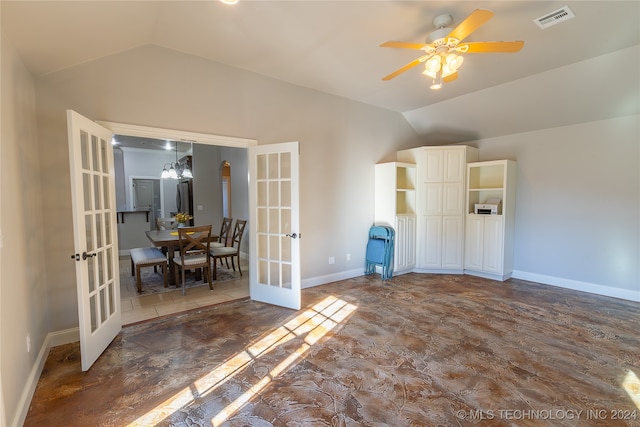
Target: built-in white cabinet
(489,236)
(440,209)
(395,206)
(405,244)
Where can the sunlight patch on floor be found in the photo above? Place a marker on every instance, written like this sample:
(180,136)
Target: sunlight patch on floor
(631,385)
(313,323)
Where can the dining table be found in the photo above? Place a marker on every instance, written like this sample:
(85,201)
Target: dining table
(168,239)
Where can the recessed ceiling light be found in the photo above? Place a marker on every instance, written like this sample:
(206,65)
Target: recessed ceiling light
(229,1)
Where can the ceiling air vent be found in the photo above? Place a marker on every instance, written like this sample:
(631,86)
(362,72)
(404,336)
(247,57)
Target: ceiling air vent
(555,17)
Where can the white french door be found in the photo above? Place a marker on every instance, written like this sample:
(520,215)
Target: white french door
(274,249)
(95,235)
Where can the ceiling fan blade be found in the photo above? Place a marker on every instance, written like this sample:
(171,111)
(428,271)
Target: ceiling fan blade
(404,45)
(493,47)
(403,69)
(450,78)
(471,23)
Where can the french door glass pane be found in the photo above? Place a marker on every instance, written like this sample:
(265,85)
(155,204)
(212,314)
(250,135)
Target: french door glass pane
(274,247)
(103,155)
(262,246)
(262,272)
(274,194)
(106,196)
(285,221)
(88,227)
(92,274)
(93,313)
(98,231)
(84,149)
(285,165)
(101,275)
(286,249)
(95,153)
(86,191)
(262,194)
(112,303)
(272,164)
(103,305)
(274,221)
(274,274)
(285,193)
(96,192)
(261,166)
(109,254)
(286,276)
(107,229)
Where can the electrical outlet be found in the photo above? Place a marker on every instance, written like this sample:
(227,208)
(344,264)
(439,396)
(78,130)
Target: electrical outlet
(332,260)
(28,343)
(348,257)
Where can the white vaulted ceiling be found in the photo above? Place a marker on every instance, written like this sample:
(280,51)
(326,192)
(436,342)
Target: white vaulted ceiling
(333,46)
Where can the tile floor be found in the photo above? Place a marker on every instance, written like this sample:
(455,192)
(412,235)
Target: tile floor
(137,308)
(414,350)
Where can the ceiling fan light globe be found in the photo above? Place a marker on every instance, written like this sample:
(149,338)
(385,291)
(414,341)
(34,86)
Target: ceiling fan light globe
(454,61)
(433,64)
(429,73)
(446,71)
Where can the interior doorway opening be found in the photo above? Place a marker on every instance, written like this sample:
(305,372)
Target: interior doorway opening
(147,306)
(225,179)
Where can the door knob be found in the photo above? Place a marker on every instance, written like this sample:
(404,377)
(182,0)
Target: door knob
(294,235)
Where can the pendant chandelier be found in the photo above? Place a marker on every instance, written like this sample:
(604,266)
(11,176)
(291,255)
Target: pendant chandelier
(176,170)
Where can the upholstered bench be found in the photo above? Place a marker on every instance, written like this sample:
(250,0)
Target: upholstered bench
(148,257)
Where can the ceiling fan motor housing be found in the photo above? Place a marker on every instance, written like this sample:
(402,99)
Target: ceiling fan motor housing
(438,36)
(442,21)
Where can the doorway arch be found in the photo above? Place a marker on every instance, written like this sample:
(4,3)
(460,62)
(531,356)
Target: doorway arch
(225,180)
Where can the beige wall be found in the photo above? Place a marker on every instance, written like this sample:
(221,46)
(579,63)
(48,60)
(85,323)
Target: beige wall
(340,141)
(577,204)
(23,290)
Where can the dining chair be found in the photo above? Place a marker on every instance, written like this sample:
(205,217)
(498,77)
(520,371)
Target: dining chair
(233,250)
(223,237)
(195,252)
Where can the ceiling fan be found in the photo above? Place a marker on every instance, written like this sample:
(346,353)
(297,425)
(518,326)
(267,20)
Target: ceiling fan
(443,47)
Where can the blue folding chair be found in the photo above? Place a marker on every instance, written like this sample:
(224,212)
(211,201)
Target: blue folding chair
(380,251)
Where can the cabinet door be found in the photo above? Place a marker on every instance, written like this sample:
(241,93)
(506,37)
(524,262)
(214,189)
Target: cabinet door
(431,255)
(433,198)
(400,256)
(433,165)
(410,242)
(454,165)
(474,242)
(452,242)
(405,243)
(492,259)
(452,198)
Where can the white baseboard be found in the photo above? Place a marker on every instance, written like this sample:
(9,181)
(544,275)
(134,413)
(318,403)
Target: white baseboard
(576,285)
(323,280)
(52,339)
